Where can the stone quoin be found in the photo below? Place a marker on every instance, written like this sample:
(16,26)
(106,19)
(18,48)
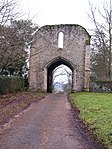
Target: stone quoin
(46,55)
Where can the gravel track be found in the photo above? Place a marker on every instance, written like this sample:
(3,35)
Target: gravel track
(48,124)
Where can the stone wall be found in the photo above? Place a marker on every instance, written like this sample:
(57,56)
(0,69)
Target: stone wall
(45,50)
(101,86)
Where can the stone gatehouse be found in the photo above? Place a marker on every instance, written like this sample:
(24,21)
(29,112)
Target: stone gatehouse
(46,54)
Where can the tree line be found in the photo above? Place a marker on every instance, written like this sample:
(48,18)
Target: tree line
(15,40)
(101,53)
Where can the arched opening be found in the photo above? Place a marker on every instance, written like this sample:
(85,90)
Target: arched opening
(62,79)
(59,76)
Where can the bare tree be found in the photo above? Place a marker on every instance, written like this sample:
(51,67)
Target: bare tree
(102,39)
(7,10)
(14,40)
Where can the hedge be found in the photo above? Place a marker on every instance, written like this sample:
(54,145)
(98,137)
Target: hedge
(11,84)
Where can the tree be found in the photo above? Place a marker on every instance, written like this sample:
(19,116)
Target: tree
(102,40)
(7,11)
(14,42)
(15,39)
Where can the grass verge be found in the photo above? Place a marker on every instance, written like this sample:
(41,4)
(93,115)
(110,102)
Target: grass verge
(96,111)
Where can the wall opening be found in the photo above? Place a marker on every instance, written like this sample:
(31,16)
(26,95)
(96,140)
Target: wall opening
(60,40)
(59,76)
(62,79)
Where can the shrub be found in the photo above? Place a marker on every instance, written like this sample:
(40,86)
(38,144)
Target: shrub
(11,84)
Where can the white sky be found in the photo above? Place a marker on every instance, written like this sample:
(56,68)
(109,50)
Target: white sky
(58,11)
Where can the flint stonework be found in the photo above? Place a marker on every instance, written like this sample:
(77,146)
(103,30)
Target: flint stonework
(45,53)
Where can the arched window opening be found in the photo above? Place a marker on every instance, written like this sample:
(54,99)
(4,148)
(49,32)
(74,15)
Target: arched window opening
(62,79)
(60,40)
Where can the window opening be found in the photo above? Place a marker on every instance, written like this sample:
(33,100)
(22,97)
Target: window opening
(60,40)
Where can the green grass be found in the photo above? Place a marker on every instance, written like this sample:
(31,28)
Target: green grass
(96,111)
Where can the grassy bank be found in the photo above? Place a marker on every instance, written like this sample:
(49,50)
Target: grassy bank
(96,111)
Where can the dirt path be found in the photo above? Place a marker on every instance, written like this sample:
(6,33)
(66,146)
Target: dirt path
(48,124)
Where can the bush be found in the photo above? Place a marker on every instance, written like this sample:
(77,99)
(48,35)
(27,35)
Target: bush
(11,84)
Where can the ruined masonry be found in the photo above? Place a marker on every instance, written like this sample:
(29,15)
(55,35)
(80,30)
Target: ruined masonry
(46,55)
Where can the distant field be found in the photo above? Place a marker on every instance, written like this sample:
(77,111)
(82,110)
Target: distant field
(96,111)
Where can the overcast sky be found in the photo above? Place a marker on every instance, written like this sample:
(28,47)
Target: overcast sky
(46,12)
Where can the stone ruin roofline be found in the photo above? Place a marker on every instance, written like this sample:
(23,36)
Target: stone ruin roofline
(51,27)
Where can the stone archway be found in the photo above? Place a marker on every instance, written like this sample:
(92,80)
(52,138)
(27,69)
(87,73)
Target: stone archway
(51,66)
(47,53)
